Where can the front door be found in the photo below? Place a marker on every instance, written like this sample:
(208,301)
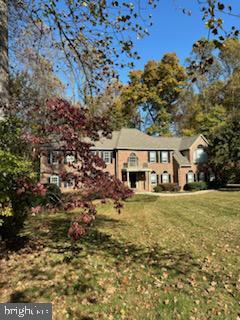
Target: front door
(133,180)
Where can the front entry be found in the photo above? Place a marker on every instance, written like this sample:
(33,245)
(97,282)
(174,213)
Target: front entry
(133,180)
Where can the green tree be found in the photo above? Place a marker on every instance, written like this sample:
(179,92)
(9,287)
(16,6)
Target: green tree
(225,151)
(15,165)
(202,112)
(213,96)
(152,93)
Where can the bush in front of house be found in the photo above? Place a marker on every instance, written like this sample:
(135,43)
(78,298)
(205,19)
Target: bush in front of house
(172,187)
(53,195)
(196,186)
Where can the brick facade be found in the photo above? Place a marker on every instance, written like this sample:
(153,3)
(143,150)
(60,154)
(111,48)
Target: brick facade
(139,176)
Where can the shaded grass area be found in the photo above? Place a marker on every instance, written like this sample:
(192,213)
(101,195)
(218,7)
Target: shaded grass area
(161,258)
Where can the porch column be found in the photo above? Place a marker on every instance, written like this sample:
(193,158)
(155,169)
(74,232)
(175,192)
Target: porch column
(149,181)
(128,179)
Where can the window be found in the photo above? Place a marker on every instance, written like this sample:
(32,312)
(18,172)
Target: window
(70,183)
(190,177)
(70,158)
(165,177)
(164,156)
(201,176)
(152,156)
(212,176)
(153,178)
(107,157)
(54,157)
(200,155)
(55,180)
(132,160)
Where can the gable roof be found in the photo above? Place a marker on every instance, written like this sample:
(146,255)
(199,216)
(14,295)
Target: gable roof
(133,139)
(183,161)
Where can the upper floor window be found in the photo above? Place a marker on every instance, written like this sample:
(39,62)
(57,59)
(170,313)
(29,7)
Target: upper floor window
(153,177)
(152,155)
(70,158)
(53,157)
(165,177)
(107,156)
(200,155)
(164,156)
(55,180)
(133,160)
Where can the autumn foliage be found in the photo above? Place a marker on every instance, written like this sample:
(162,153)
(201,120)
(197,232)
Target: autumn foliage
(73,129)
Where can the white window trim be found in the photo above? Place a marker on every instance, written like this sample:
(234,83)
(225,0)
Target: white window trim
(166,153)
(155,156)
(133,163)
(51,157)
(197,155)
(53,177)
(190,172)
(71,156)
(166,174)
(153,174)
(109,156)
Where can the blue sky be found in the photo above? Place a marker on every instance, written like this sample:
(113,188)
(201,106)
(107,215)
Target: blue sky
(173,31)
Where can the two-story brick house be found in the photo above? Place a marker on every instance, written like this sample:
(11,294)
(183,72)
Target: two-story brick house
(142,161)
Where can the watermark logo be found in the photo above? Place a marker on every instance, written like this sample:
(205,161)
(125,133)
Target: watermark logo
(26,311)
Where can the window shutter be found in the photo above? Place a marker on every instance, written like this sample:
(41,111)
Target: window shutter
(186,178)
(49,157)
(169,178)
(161,179)
(65,159)
(157,156)
(161,156)
(49,180)
(111,156)
(157,179)
(59,182)
(148,156)
(169,160)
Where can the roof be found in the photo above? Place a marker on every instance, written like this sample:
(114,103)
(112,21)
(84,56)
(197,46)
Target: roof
(133,139)
(183,161)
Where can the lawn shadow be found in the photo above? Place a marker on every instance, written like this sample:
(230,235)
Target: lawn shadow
(18,297)
(96,241)
(142,198)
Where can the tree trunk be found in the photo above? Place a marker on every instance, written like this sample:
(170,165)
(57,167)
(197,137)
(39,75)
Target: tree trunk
(4,72)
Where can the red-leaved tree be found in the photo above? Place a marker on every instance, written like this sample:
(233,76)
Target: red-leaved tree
(73,129)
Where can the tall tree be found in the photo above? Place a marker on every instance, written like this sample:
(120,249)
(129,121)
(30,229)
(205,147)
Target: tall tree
(4,73)
(213,96)
(225,151)
(152,94)
(201,112)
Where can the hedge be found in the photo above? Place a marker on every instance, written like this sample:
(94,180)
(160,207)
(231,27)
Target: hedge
(167,187)
(195,186)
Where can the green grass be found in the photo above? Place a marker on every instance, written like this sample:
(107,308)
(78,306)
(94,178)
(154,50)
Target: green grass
(161,258)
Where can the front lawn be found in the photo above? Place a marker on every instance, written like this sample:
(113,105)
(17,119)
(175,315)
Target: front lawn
(161,258)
